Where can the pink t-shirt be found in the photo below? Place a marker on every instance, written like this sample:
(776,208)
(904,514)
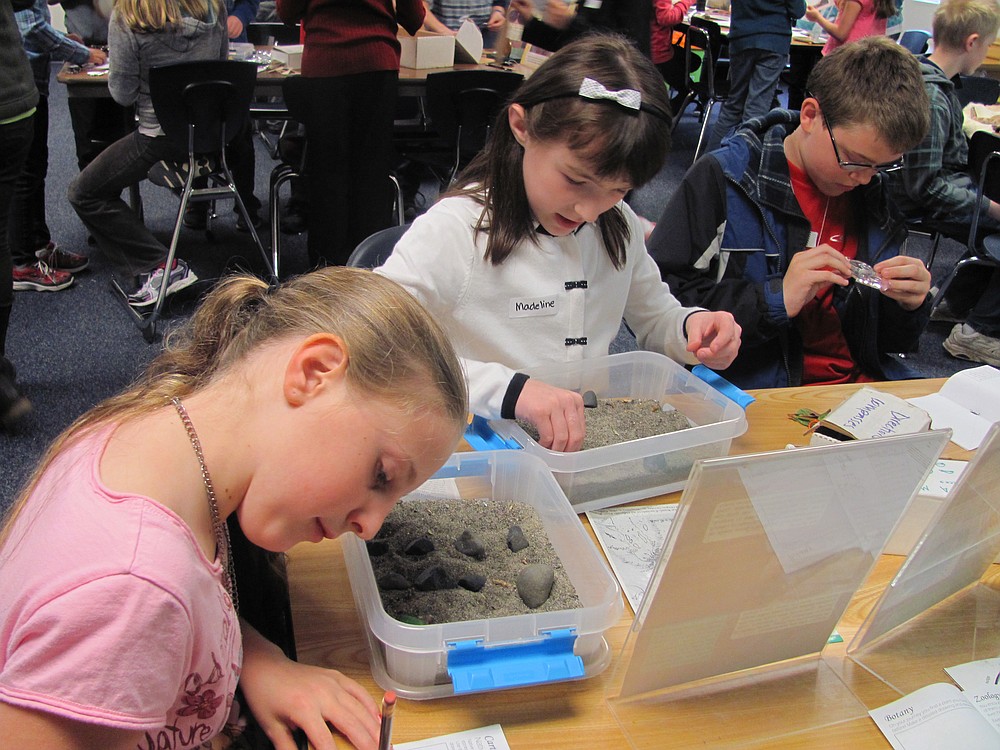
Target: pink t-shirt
(866,24)
(111,614)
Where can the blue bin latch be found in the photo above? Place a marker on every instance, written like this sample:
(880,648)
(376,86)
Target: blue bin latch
(481,437)
(475,667)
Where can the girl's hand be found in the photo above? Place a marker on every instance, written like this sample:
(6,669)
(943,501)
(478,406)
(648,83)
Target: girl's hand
(812,14)
(905,280)
(497,19)
(713,337)
(810,272)
(556,413)
(284,695)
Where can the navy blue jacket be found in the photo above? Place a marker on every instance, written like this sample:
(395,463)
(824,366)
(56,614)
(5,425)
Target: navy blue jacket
(727,235)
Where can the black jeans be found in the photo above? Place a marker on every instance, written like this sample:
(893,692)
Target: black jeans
(15,142)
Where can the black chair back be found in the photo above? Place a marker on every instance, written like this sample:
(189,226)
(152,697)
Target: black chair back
(462,106)
(203,104)
(979,89)
(373,251)
(915,40)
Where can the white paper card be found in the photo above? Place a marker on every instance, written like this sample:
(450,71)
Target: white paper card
(484,738)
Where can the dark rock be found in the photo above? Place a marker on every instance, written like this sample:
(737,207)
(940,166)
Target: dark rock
(419,546)
(589,400)
(434,578)
(393,582)
(377,547)
(534,584)
(472,582)
(470,545)
(516,540)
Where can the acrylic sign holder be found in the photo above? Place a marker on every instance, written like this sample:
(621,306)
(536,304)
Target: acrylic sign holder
(937,612)
(763,557)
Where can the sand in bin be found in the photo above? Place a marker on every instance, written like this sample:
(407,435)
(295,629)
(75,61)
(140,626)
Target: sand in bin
(618,420)
(444,521)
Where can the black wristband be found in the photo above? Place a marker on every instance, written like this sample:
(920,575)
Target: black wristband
(513,393)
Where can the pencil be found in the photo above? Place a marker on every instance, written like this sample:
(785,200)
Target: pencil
(385,733)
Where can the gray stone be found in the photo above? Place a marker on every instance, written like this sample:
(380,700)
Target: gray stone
(516,540)
(589,400)
(393,582)
(470,545)
(420,546)
(434,578)
(472,582)
(534,584)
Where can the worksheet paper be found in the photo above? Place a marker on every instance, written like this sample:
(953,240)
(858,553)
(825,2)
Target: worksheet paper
(632,539)
(484,738)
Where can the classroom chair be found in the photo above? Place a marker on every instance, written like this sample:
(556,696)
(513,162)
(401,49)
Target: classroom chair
(201,106)
(707,81)
(915,40)
(372,251)
(981,249)
(978,89)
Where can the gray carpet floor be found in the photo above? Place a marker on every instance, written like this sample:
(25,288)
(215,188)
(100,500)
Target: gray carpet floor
(76,347)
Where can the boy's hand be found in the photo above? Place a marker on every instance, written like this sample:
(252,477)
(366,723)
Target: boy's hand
(810,272)
(556,413)
(713,337)
(97,57)
(905,280)
(284,695)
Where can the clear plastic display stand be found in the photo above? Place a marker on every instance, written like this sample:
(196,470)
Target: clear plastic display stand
(763,557)
(938,612)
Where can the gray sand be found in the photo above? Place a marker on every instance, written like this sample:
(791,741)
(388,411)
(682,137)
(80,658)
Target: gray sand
(618,420)
(443,521)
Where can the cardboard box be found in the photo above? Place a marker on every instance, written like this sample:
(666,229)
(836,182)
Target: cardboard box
(426,50)
(468,43)
(288,54)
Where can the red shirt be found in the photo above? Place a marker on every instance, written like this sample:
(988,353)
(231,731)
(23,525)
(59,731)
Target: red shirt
(342,38)
(827,357)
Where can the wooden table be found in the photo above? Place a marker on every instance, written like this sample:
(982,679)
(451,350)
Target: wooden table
(577,714)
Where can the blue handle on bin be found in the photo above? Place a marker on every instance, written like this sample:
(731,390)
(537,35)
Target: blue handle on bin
(474,667)
(481,437)
(722,385)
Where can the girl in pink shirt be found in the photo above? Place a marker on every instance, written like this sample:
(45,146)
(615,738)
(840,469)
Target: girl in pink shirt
(855,19)
(303,410)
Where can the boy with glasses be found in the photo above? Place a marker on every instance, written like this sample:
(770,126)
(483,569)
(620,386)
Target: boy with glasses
(935,185)
(772,225)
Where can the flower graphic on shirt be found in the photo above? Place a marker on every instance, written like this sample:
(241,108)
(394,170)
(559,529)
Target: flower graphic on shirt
(203,704)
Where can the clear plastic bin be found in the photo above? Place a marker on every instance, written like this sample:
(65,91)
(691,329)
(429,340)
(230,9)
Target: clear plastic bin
(433,661)
(635,469)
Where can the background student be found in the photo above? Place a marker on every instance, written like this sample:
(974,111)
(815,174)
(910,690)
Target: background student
(143,34)
(760,36)
(855,19)
(766,226)
(18,98)
(39,263)
(935,186)
(350,66)
(118,610)
(537,259)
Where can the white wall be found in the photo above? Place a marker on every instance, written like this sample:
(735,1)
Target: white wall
(58,17)
(917,14)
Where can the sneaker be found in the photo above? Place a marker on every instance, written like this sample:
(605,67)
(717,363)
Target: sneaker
(62,260)
(196,216)
(943,312)
(13,403)
(40,278)
(241,225)
(965,342)
(181,277)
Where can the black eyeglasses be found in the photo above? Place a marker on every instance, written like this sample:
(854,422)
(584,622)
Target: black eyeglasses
(855,166)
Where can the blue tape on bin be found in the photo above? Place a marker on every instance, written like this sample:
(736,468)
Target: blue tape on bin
(481,437)
(722,385)
(474,667)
